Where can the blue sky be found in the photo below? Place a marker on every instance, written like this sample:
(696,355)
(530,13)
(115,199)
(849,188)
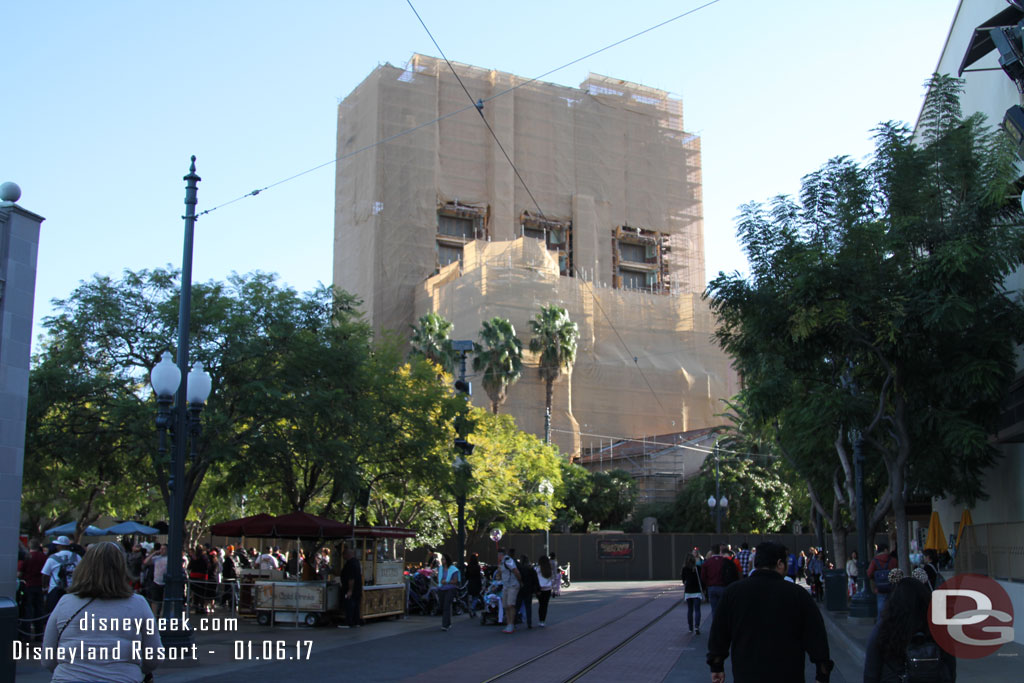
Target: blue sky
(104,103)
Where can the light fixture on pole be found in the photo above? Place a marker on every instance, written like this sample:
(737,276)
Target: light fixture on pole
(189,394)
(463,472)
(546,489)
(717,502)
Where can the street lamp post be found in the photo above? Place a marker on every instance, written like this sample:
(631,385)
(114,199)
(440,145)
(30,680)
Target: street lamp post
(546,489)
(189,394)
(717,502)
(463,471)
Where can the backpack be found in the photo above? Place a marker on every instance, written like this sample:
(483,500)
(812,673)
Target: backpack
(923,663)
(66,571)
(939,578)
(729,572)
(881,577)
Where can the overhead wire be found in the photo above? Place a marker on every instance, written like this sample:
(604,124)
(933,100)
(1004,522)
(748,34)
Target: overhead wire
(478,103)
(670,444)
(475,105)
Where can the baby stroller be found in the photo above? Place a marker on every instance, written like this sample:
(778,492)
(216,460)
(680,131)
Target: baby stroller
(420,596)
(492,612)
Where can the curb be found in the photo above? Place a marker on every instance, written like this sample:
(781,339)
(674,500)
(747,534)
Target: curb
(855,649)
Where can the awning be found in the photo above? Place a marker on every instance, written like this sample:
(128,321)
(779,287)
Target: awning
(981,43)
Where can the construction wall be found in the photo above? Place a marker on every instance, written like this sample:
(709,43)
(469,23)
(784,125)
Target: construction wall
(645,363)
(607,158)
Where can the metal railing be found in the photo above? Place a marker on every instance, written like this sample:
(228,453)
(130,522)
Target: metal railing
(994,550)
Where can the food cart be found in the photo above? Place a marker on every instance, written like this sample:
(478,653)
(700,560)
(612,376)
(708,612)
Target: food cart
(274,599)
(381,552)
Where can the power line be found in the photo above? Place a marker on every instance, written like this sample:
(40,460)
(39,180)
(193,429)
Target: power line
(475,105)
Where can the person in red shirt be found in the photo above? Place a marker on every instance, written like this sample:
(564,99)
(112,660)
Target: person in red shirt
(30,571)
(878,574)
(715,575)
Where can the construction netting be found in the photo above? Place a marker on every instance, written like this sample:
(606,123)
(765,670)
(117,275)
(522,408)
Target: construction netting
(604,218)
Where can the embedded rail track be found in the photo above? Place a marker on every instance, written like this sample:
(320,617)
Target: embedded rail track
(636,621)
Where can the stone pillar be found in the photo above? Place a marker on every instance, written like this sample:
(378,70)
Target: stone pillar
(19,245)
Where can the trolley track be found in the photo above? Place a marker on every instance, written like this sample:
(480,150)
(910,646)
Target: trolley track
(606,651)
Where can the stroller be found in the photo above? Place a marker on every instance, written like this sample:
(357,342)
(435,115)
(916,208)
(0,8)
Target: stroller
(421,597)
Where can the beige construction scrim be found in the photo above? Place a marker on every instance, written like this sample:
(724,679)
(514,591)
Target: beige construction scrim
(616,202)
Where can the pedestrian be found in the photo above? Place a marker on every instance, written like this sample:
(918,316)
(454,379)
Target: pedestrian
(556,584)
(900,642)
(545,579)
(58,571)
(101,593)
(852,570)
(198,575)
(878,573)
(744,559)
(693,593)
(474,580)
(450,580)
(229,576)
(717,572)
(766,625)
(266,562)
(529,587)
(510,582)
(815,568)
(30,570)
(157,564)
(352,584)
(801,567)
(931,568)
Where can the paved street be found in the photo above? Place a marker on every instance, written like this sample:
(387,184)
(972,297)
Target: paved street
(416,649)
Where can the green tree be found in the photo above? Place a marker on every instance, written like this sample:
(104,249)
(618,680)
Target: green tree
(508,468)
(611,499)
(431,339)
(882,291)
(760,499)
(499,358)
(554,339)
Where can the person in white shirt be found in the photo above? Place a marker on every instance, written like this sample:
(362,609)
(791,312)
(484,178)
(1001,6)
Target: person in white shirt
(266,562)
(51,571)
(546,577)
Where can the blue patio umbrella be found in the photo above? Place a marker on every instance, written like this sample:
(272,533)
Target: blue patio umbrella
(131,528)
(69,529)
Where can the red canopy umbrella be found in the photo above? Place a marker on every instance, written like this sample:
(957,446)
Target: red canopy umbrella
(238,527)
(298,525)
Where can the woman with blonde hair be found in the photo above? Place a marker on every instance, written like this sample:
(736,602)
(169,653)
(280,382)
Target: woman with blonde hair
(90,619)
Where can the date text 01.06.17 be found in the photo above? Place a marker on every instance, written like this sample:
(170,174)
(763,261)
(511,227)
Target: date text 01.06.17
(273,650)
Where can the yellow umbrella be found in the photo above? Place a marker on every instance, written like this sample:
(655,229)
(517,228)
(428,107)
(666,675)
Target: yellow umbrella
(936,537)
(965,521)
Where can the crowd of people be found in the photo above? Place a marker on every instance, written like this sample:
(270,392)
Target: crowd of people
(761,615)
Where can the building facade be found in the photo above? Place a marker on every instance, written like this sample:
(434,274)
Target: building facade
(600,214)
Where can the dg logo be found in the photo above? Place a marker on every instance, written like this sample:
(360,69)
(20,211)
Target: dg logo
(971,616)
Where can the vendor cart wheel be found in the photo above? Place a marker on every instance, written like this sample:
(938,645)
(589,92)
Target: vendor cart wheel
(263,618)
(312,619)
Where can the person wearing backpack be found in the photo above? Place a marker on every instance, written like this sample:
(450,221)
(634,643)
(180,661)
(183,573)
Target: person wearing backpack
(58,572)
(931,568)
(716,573)
(878,574)
(900,649)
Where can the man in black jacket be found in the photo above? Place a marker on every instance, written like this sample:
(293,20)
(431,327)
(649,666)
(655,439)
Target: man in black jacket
(766,624)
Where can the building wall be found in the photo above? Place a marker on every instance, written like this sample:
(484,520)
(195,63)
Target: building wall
(990,92)
(19,244)
(606,155)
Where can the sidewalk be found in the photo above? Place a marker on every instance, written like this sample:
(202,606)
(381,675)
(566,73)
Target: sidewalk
(851,634)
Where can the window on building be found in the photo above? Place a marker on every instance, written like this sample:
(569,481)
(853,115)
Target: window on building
(632,279)
(556,235)
(448,254)
(455,226)
(632,252)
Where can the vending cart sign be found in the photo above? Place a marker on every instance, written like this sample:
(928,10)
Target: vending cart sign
(619,549)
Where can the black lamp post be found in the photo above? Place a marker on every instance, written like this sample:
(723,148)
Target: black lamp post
(463,470)
(169,383)
(717,502)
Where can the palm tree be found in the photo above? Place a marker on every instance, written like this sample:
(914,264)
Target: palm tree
(500,358)
(430,339)
(554,338)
